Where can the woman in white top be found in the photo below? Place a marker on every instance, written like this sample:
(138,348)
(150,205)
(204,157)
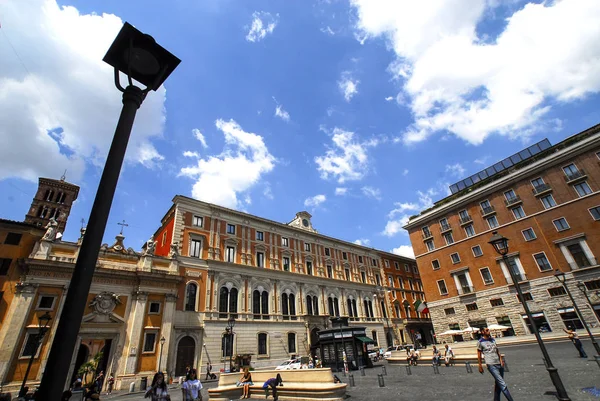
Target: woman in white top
(191,387)
(158,391)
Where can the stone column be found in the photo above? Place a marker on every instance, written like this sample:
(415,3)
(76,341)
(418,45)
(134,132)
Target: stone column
(14,325)
(166,330)
(134,332)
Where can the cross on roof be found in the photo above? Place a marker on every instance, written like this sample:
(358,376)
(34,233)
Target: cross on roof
(123,225)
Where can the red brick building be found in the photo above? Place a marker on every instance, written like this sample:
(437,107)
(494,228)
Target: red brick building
(546,200)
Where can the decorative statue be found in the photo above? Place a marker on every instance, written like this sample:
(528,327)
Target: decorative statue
(174,251)
(51,230)
(150,245)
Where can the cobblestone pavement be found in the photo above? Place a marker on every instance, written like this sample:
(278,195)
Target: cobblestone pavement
(527,380)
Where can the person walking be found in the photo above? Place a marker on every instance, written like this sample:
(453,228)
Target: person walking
(574,337)
(110,380)
(100,381)
(208,369)
(191,388)
(486,347)
(436,356)
(245,382)
(158,390)
(448,355)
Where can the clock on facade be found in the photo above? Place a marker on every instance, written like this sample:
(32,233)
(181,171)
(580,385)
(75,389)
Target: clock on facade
(305,222)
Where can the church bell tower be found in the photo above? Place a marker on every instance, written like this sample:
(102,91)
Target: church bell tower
(53,199)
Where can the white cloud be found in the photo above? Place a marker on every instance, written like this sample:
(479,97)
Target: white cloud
(64,84)
(393,227)
(403,207)
(362,241)
(371,192)
(347,160)
(263,23)
(481,160)
(281,113)
(455,170)
(220,179)
(348,86)
(198,135)
(389,98)
(405,172)
(188,153)
(328,30)
(267,192)
(473,86)
(314,201)
(341,191)
(399,216)
(404,250)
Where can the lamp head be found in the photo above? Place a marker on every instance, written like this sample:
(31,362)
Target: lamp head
(560,276)
(43,320)
(139,56)
(499,242)
(162,340)
(231,322)
(581,286)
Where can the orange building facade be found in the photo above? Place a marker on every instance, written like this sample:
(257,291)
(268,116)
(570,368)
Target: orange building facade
(546,201)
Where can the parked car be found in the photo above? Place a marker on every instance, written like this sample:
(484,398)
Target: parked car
(388,352)
(373,356)
(290,364)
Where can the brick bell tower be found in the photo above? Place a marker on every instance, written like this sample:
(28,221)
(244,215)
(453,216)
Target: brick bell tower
(54,198)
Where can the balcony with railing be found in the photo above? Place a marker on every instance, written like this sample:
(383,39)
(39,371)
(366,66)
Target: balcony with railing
(465,219)
(541,189)
(513,200)
(486,211)
(445,227)
(466,290)
(575,175)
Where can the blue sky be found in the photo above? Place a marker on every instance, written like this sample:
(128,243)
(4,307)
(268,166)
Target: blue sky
(361,112)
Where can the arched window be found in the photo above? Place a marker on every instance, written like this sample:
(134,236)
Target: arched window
(316,305)
(228,302)
(260,304)
(292,343)
(368,309)
(397,310)
(190,296)
(262,344)
(288,306)
(42,211)
(226,345)
(334,306)
(60,197)
(374,336)
(309,306)
(349,305)
(383,310)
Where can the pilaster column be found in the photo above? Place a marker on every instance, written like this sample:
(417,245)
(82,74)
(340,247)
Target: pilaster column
(14,325)
(135,331)
(166,330)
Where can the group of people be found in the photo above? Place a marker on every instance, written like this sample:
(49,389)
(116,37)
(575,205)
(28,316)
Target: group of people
(190,388)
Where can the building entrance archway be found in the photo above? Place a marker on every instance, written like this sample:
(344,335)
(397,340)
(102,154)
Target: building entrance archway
(186,350)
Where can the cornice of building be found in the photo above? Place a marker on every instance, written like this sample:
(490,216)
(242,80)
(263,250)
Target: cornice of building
(563,150)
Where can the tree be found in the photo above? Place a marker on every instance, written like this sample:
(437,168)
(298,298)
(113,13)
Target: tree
(90,367)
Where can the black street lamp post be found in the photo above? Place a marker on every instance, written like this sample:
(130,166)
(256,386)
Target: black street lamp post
(162,343)
(43,321)
(500,244)
(139,57)
(583,290)
(229,329)
(381,294)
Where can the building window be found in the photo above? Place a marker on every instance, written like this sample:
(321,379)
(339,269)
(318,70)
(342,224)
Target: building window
(285,241)
(230,228)
(260,259)
(492,222)
(377,279)
(463,282)
(486,207)
(149,341)
(31,344)
(226,345)
(195,248)
(4,266)
(529,234)
(13,239)
(262,344)
(472,306)
(309,269)
(363,276)
(442,287)
(526,295)
(455,258)
(538,182)
(228,302)
(449,311)
(46,302)
(548,201)
(444,224)
(583,188)
(344,256)
(260,236)
(329,271)
(477,252)
(391,281)
(448,238)
(286,264)
(190,297)
(518,212)
(292,343)
(198,221)
(578,254)
(347,272)
(260,303)
(288,306)
(307,247)
(360,259)
(592,285)
(469,230)
(426,232)
(163,240)
(542,261)
(154,308)
(410,284)
(397,265)
(496,302)
(312,305)
(230,254)
(557,291)
(374,262)
(570,318)
(435,264)
(429,244)
(595,212)
(561,224)
(571,171)
(510,195)
(327,252)
(400,282)
(486,275)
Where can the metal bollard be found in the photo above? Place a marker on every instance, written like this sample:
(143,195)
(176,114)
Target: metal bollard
(408,372)
(468,366)
(381,382)
(362,371)
(505,365)
(351,380)
(384,371)
(436,370)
